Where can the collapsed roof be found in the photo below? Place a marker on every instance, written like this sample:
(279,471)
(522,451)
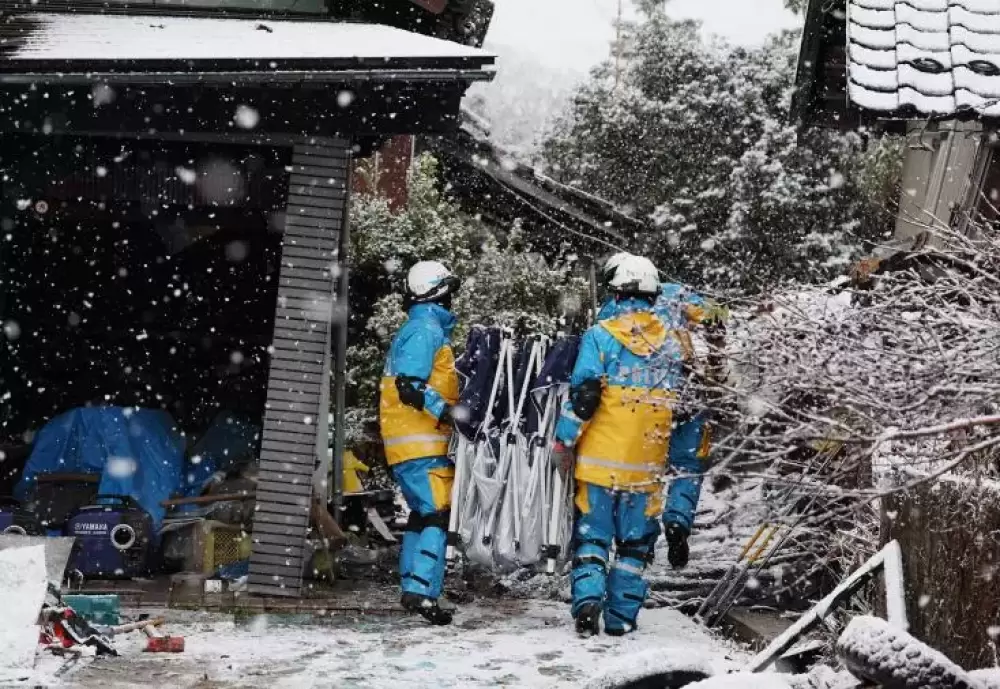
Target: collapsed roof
(492,183)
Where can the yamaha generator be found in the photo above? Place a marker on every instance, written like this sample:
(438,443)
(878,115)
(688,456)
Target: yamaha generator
(114,539)
(15,520)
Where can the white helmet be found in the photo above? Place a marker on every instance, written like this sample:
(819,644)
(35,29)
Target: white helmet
(430,281)
(635,276)
(612,264)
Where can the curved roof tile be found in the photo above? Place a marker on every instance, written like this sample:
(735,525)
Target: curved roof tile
(934,56)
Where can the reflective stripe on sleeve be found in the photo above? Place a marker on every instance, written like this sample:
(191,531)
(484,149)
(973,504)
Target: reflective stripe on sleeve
(620,466)
(417,438)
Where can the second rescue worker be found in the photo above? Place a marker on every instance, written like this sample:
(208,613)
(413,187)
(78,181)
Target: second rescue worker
(619,419)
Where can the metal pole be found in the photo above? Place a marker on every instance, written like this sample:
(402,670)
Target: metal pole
(340,377)
(618,44)
(593,292)
(847,588)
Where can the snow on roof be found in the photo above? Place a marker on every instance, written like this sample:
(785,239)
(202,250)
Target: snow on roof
(937,56)
(38,36)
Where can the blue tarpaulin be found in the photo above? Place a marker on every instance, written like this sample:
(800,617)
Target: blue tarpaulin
(229,442)
(477,367)
(137,452)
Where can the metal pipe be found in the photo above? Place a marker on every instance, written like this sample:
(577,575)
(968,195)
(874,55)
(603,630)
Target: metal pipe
(340,377)
(593,292)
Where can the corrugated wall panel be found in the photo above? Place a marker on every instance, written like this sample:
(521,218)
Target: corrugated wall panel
(295,429)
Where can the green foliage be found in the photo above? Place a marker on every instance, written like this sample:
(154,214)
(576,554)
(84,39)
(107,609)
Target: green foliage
(881,172)
(503,283)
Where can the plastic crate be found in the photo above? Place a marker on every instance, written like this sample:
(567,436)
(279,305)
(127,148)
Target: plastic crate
(203,546)
(223,544)
(96,609)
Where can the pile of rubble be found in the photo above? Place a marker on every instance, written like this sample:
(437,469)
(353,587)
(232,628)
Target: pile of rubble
(39,620)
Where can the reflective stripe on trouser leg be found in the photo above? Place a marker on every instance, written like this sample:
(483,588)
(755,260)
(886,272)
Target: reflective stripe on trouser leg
(593,535)
(635,533)
(427,578)
(626,593)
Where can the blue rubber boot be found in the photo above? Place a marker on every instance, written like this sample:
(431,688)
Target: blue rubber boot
(637,526)
(592,537)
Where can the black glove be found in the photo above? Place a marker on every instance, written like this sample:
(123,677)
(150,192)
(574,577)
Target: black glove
(677,544)
(447,417)
(409,395)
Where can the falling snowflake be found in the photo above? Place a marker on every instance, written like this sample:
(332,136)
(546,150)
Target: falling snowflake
(11,330)
(186,175)
(236,251)
(246,117)
(102,94)
(345,98)
(121,467)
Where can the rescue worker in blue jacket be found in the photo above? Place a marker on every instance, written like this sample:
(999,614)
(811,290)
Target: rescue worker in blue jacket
(684,311)
(418,391)
(681,310)
(619,420)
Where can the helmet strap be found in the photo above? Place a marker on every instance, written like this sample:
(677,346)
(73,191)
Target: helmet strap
(623,296)
(444,302)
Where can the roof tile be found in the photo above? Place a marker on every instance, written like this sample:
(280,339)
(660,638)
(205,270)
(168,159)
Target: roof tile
(935,56)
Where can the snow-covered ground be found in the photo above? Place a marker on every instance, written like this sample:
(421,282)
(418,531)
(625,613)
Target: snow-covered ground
(513,643)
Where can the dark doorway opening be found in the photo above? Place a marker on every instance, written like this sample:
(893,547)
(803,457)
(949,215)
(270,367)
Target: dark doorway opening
(135,273)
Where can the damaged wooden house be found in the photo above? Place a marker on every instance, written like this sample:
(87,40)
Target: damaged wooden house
(929,70)
(175,180)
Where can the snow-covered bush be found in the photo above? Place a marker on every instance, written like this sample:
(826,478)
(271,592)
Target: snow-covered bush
(881,383)
(696,139)
(503,283)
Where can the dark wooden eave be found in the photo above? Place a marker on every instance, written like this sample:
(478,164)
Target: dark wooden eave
(821,78)
(357,91)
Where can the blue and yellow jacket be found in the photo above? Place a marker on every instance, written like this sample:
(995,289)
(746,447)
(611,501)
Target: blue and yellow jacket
(640,366)
(678,307)
(420,351)
(680,310)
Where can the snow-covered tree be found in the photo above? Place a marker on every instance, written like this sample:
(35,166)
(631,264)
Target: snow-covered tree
(696,138)
(503,283)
